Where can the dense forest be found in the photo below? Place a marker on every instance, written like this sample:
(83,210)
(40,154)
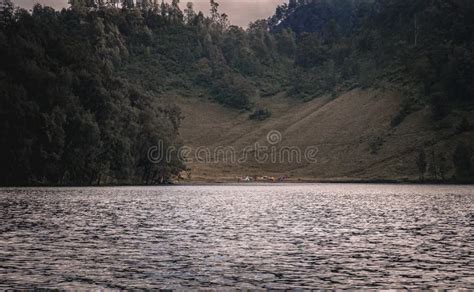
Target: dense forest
(82,89)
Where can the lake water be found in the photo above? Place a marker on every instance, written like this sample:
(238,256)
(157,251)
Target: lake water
(244,236)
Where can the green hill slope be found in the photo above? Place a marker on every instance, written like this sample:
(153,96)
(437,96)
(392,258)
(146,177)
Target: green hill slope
(353,135)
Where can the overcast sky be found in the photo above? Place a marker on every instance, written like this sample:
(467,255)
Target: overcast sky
(240,12)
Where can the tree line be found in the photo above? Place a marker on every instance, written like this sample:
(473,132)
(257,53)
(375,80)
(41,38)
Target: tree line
(67,116)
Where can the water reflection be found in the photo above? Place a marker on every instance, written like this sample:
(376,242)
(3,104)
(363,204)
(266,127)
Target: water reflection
(276,236)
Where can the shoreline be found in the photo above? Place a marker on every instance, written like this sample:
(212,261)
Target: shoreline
(224,181)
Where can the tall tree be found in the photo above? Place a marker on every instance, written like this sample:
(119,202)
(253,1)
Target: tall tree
(462,162)
(421,163)
(189,13)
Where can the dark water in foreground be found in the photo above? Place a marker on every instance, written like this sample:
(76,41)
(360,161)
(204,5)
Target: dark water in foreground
(279,236)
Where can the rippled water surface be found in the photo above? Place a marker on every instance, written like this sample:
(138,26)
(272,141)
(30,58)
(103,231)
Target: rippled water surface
(245,236)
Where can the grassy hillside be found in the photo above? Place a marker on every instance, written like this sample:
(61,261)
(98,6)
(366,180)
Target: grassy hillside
(353,133)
